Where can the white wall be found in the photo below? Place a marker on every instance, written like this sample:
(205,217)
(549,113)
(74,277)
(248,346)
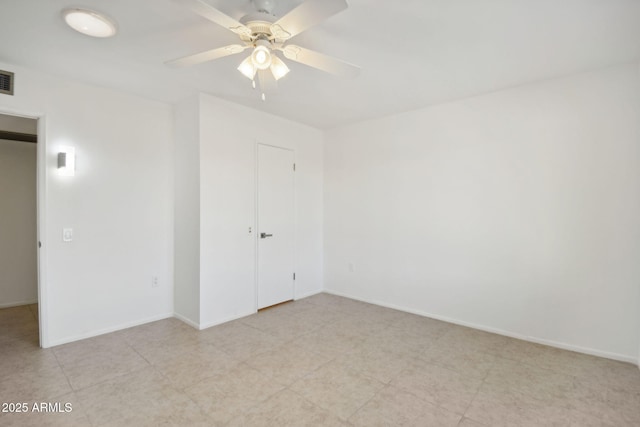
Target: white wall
(18,258)
(229,133)
(187,211)
(119,204)
(515,211)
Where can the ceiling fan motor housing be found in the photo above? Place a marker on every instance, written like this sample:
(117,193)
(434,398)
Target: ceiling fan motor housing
(260,29)
(265,6)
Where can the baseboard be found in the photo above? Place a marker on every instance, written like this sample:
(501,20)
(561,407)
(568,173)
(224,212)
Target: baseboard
(226,319)
(231,318)
(563,346)
(18,303)
(308,294)
(187,320)
(92,334)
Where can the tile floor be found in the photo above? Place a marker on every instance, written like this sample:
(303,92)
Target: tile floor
(321,361)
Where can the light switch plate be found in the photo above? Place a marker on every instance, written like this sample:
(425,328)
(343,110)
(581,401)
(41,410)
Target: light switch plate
(67,234)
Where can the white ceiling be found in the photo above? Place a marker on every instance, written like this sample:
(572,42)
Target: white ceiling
(413,53)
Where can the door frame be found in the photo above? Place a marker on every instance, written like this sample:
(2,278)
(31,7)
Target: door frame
(41,207)
(256,242)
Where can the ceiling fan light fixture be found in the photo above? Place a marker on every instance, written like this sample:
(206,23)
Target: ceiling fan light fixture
(261,55)
(278,68)
(90,23)
(247,68)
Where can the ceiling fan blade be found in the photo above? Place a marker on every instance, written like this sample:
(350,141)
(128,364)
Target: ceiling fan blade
(320,61)
(214,15)
(305,16)
(208,55)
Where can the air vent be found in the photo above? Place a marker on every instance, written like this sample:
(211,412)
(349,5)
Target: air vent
(6,82)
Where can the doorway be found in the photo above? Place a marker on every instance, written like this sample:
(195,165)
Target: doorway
(275,225)
(19,294)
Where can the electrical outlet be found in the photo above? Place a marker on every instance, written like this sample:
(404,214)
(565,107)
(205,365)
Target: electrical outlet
(154,281)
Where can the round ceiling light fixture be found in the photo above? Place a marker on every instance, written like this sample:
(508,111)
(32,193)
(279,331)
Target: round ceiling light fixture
(90,23)
(261,56)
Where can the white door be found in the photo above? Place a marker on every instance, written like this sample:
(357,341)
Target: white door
(275,225)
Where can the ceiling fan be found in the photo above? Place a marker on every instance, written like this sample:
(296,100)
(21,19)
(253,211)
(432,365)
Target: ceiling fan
(264,34)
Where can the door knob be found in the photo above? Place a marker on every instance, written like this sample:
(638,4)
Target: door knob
(264,235)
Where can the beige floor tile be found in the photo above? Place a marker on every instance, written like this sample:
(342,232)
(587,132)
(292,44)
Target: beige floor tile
(160,330)
(12,331)
(160,349)
(358,326)
(612,374)
(432,415)
(589,368)
(438,385)
(85,367)
(496,406)
(195,364)
(287,363)
(515,349)
(54,413)
(468,422)
(24,356)
(189,414)
(230,333)
(383,314)
(382,364)
(16,315)
(329,342)
(245,349)
(34,311)
(473,364)
(322,299)
(333,301)
(341,360)
(287,408)
(395,407)
(267,320)
(337,388)
(30,385)
(71,353)
(499,406)
(44,420)
(399,339)
(321,315)
(613,406)
(294,307)
(229,395)
(353,307)
(140,393)
(314,318)
(9,341)
(473,340)
(540,383)
(422,326)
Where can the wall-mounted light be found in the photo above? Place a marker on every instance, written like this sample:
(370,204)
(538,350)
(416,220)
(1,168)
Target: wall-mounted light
(67,161)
